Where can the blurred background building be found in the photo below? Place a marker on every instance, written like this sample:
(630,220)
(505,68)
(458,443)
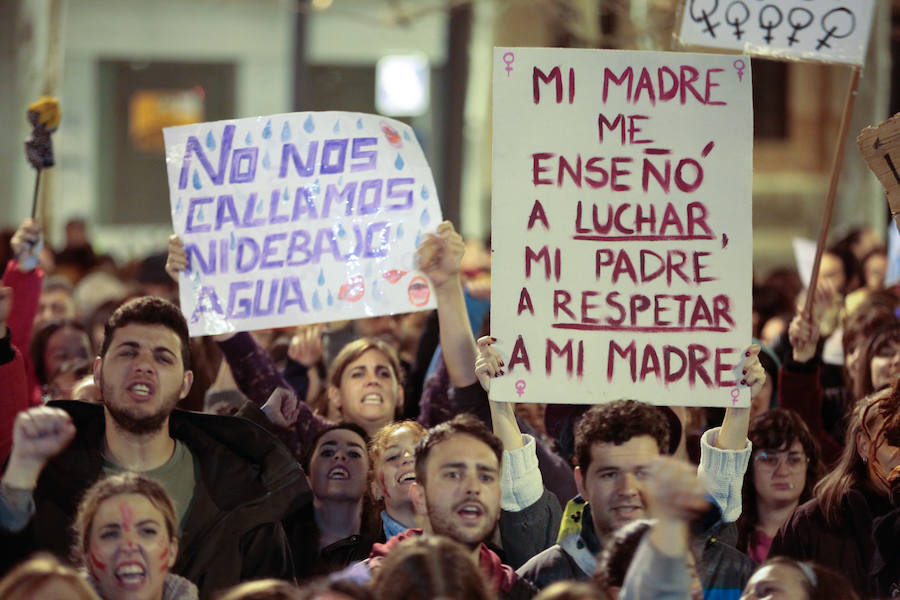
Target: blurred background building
(123,69)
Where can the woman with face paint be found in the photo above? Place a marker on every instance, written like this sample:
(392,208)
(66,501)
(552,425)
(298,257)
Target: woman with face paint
(392,454)
(126,539)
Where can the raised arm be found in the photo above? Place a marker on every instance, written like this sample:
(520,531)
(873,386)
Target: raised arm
(439,257)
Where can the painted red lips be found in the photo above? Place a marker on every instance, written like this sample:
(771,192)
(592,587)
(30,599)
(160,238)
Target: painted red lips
(394,275)
(419,292)
(353,290)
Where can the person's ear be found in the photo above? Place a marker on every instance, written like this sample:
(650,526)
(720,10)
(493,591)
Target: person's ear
(417,495)
(98,370)
(173,552)
(186,383)
(377,491)
(579,483)
(334,397)
(863,445)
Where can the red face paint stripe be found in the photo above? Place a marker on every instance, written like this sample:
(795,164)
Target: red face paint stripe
(127,515)
(97,564)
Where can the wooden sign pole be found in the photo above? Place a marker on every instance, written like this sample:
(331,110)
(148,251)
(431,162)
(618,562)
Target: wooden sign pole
(836,164)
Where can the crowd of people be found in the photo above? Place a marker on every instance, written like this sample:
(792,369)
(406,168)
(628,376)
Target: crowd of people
(365,460)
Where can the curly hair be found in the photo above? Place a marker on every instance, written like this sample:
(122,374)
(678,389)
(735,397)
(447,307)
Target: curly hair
(379,443)
(617,555)
(775,430)
(616,423)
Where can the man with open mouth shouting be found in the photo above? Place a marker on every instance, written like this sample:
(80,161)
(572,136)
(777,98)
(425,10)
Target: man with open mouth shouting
(231,482)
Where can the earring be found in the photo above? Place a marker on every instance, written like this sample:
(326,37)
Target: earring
(865,460)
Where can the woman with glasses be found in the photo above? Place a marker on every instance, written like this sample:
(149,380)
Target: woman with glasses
(783,470)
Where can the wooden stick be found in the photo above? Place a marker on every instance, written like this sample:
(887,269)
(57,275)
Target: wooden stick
(34,200)
(836,163)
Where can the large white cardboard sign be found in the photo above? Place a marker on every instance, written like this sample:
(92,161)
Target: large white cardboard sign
(621,226)
(813,30)
(299,218)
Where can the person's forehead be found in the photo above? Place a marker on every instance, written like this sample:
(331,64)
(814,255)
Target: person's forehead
(637,450)
(462,448)
(112,509)
(147,335)
(342,437)
(372,356)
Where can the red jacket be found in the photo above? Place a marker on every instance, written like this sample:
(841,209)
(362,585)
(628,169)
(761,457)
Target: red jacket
(15,392)
(26,293)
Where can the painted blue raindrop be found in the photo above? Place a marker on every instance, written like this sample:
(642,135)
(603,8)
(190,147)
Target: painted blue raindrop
(285,132)
(197,184)
(267,130)
(340,230)
(210,141)
(285,196)
(200,215)
(337,126)
(316,303)
(400,231)
(321,277)
(248,139)
(330,298)
(399,162)
(267,164)
(424,218)
(315,186)
(418,239)
(406,136)
(425,194)
(259,208)
(359,124)
(232,244)
(178,205)
(308,125)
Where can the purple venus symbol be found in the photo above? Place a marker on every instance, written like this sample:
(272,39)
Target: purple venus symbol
(509,58)
(520,387)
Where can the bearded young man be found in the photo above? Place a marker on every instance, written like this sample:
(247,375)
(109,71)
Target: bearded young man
(231,481)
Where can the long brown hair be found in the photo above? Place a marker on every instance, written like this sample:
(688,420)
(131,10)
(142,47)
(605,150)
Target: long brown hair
(851,470)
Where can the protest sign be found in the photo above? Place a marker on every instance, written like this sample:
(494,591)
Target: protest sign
(299,218)
(813,30)
(621,226)
(880,147)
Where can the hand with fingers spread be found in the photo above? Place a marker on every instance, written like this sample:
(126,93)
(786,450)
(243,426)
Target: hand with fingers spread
(26,245)
(282,408)
(39,434)
(306,345)
(488,363)
(440,254)
(177,259)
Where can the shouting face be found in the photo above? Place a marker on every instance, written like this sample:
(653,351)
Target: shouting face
(461,495)
(130,550)
(369,391)
(142,377)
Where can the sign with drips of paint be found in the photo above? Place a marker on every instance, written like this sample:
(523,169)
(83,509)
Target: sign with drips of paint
(299,218)
(622,241)
(812,30)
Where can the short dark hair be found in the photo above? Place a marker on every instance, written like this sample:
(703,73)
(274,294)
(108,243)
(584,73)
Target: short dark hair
(307,457)
(149,310)
(460,424)
(616,423)
(619,552)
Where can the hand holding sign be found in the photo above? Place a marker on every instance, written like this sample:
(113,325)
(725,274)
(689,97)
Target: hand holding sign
(880,147)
